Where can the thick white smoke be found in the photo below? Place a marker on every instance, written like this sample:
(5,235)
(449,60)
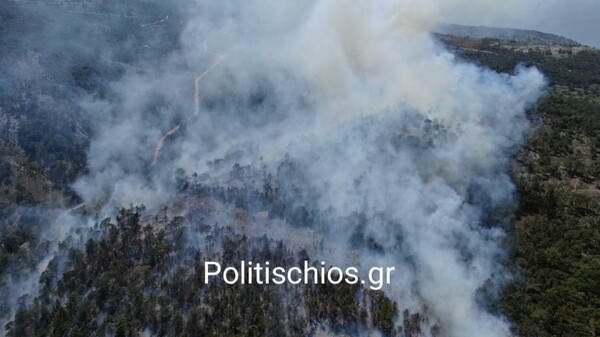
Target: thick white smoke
(380,119)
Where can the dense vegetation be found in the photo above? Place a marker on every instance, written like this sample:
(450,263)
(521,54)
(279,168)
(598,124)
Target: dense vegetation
(557,230)
(555,239)
(142,274)
(574,67)
(131,276)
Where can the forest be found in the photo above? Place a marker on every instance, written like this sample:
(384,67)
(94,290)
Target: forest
(555,237)
(139,273)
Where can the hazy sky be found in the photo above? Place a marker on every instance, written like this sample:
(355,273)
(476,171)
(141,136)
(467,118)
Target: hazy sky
(579,20)
(575,19)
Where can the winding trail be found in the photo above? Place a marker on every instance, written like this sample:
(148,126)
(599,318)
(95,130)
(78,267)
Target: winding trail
(218,59)
(161,143)
(197,96)
(80,206)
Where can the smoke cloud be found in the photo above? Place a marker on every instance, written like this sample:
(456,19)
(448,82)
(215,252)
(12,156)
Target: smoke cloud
(376,118)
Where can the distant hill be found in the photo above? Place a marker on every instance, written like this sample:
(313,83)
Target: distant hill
(531,37)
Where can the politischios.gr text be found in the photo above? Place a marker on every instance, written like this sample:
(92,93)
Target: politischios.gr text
(247,272)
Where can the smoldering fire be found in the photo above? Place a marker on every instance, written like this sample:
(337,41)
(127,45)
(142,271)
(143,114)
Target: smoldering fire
(379,121)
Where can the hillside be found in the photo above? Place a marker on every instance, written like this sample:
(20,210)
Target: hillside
(528,37)
(557,225)
(490,215)
(44,131)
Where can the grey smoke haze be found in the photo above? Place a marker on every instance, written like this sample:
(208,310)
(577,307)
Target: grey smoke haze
(577,19)
(377,118)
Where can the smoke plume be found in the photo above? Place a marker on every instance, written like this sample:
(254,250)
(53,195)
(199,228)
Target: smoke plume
(378,122)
